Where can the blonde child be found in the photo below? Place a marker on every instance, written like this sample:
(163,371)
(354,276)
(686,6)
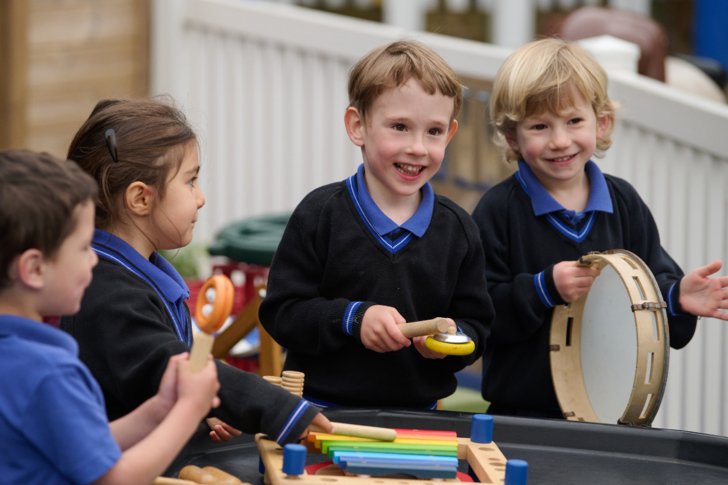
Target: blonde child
(551,110)
(378,249)
(53,425)
(144,156)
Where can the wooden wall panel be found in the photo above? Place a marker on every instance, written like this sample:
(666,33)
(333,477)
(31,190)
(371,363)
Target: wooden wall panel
(77,52)
(13,59)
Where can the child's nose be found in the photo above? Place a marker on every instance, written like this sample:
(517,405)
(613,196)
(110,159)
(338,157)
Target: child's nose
(417,145)
(200,198)
(559,138)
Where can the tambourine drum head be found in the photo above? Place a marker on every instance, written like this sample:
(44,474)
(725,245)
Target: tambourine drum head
(608,346)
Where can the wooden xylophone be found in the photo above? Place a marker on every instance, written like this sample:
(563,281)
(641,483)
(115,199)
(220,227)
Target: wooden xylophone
(428,457)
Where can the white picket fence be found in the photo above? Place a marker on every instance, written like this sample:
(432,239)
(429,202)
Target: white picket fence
(265,86)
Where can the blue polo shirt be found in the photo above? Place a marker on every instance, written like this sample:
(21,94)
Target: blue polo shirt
(543,203)
(390,235)
(53,424)
(157,272)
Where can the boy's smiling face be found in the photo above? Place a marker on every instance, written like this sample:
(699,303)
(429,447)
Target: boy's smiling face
(403,139)
(557,146)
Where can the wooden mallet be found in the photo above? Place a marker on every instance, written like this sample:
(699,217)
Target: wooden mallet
(359,431)
(441,336)
(214,304)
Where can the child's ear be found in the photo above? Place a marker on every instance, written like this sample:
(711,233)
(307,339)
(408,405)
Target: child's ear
(512,142)
(453,129)
(138,198)
(604,122)
(354,126)
(29,269)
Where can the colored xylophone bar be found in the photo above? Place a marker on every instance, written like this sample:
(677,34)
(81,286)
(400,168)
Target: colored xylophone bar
(418,453)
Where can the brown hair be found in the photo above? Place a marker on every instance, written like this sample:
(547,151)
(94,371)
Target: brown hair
(39,194)
(393,65)
(124,141)
(545,76)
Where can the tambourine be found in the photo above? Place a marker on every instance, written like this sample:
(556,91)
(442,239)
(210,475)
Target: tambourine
(610,348)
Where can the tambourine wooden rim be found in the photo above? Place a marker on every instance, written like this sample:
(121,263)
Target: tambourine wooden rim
(651,336)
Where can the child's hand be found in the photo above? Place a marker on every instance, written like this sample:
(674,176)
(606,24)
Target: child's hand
(319,423)
(167,393)
(198,388)
(425,351)
(573,280)
(704,296)
(379,330)
(221,431)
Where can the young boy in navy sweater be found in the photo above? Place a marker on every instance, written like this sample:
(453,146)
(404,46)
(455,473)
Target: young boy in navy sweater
(53,424)
(360,256)
(552,113)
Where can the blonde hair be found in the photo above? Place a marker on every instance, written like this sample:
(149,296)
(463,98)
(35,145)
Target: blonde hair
(392,65)
(546,76)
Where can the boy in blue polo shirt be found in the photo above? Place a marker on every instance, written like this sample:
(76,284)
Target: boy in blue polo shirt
(53,425)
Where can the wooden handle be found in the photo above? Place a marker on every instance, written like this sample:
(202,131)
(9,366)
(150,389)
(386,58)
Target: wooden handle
(201,348)
(360,431)
(425,327)
(172,481)
(223,477)
(208,474)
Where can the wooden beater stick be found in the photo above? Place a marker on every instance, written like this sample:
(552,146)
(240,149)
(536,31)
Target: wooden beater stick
(360,431)
(426,327)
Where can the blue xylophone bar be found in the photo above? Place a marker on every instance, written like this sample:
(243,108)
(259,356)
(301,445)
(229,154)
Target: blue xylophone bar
(403,459)
(419,471)
(373,463)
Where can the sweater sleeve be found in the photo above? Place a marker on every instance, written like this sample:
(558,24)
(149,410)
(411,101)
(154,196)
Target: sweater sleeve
(519,310)
(126,341)
(294,311)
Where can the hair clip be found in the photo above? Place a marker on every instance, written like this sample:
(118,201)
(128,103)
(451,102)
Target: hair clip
(110,137)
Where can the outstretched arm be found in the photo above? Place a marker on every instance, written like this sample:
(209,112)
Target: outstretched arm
(704,296)
(188,396)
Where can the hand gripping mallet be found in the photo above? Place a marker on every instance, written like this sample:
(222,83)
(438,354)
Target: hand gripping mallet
(214,304)
(441,336)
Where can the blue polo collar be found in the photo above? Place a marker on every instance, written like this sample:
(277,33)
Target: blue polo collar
(542,202)
(155,271)
(383,225)
(26,329)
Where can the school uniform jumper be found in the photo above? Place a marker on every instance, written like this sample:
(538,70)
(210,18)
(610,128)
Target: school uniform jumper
(133,318)
(525,233)
(338,256)
(53,426)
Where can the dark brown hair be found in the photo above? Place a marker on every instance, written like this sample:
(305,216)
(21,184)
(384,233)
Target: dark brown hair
(124,141)
(39,194)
